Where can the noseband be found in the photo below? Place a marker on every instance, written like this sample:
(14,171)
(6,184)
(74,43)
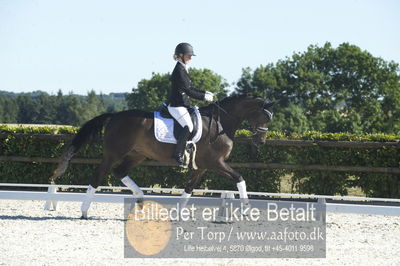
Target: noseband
(268,113)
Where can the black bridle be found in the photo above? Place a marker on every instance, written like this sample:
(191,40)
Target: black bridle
(268,113)
(219,109)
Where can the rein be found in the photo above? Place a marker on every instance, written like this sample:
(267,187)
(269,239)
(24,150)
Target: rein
(219,108)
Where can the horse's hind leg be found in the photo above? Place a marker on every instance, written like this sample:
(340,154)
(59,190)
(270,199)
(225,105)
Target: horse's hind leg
(98,176)
(121,171)
(190,186)
(194,181)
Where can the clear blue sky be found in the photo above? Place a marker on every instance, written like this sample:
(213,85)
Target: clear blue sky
(109,46)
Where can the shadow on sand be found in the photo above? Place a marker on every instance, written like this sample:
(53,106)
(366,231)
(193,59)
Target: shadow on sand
(55,218)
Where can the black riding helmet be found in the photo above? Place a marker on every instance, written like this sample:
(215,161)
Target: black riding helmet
(184,48)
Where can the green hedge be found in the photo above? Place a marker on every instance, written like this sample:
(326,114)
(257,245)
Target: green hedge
(318,182)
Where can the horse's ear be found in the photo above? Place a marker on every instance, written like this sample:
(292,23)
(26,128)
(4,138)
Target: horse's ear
(269,105)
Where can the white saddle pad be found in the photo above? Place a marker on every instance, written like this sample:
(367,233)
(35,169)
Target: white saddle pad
(164,128)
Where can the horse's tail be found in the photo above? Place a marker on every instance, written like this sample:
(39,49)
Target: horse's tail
(89,132)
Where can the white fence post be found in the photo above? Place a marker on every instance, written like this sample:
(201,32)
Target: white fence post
(321,206)
(224,196)
(223,202)
(49,203)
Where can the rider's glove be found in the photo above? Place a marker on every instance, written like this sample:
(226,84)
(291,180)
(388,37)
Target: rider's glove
(209,96)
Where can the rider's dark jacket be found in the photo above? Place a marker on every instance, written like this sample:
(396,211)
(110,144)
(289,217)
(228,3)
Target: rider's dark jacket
(182,88)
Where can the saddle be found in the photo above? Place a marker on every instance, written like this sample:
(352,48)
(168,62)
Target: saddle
(177,127)
(166,128)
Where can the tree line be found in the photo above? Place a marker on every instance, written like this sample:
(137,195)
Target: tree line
(328,89)
(41,108)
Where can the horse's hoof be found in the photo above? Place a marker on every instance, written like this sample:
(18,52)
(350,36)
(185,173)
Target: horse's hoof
(139,203)
(246,209)
(84,216)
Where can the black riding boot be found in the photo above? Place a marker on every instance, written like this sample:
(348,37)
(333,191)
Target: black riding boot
(180,146)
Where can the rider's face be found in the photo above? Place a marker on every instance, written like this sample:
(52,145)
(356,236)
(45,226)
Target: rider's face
(187,58)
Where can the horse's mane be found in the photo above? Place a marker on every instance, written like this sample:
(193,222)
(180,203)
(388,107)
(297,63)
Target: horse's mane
(204,110)
(234,97)
(239,96)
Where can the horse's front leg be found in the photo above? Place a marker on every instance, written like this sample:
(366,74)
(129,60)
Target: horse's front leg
(226,170)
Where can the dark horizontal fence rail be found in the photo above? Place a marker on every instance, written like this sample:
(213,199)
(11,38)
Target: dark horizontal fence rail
(287,143)
(324,143)
(38,136)
(386,170)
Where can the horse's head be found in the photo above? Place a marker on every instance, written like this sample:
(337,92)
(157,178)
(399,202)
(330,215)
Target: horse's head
(239,107)
(259,120)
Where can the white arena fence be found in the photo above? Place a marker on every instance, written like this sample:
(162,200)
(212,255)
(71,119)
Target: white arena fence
(376,206)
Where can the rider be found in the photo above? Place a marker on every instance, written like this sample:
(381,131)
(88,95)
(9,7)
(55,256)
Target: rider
(179,97)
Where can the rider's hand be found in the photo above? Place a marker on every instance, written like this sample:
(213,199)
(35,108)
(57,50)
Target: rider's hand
(209,96)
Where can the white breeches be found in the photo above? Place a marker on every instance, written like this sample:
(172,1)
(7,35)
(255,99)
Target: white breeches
(181,114)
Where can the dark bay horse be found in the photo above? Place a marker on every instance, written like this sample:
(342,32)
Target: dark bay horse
(129,139)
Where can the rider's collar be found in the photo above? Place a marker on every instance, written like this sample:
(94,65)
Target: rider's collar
(185,66)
